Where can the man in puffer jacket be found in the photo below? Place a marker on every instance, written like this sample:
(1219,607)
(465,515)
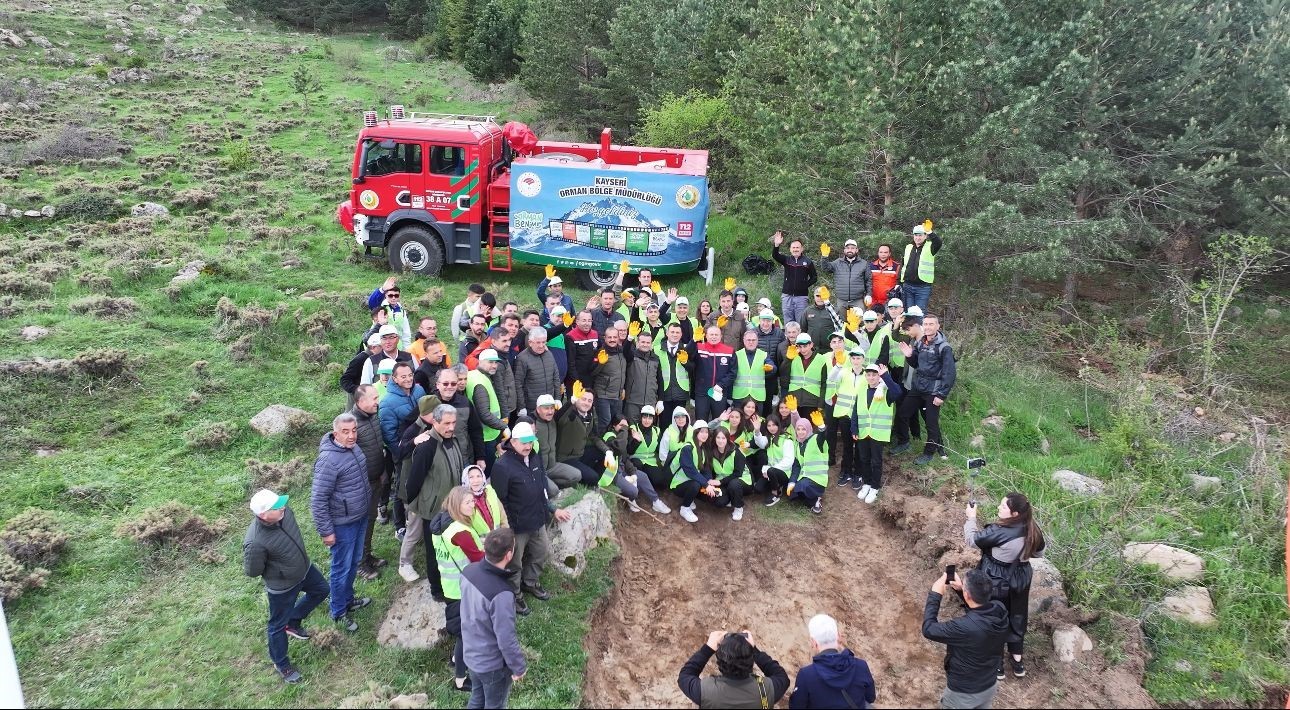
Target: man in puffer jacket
(835,678)
(371,443)
(644,376)
(536,372)
(339,501)
(399,405)
(609,379)
(852,277)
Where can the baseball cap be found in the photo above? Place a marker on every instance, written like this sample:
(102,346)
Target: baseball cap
(700,424)
(547,400)
(870,315)
(850,243)
(652,306)
(490,354)
(871,367)
(682,301)
(914,312)
(386,367)
(373,339)
(739,290)
(837,334)
(629,292)
(764,302)
(892,302)
(918,229)
(767,315)
(557,311)
(265,500)
(426,404)
(857,350)
(742,307)
(387,330)
(524,432)
(555,280)
(647,409)
(803,339)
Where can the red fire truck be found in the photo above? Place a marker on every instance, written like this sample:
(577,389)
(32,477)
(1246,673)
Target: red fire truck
(430,190)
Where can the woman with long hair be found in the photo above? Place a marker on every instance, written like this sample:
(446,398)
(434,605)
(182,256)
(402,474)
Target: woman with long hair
(705,310)
(1006,548)
(781,451)
(689,481)
(723,461)
(455,545)
(745,429)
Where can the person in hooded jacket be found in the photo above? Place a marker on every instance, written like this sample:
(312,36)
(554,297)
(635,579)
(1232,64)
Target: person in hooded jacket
(1006,549)
(973,642)
(835,678)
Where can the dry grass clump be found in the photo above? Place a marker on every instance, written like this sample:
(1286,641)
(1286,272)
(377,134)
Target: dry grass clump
(277,476)
(211,435)
(314,357)
(102,363)
(15,579)
(172,524)
(108,307)
(33,537)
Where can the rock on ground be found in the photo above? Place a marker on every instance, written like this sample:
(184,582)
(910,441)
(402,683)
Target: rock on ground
(570,541)
(1173,562)
(1078,482)
(190,272)
(1204,484)
(1071,644)
(1046,590)
(1191,604)
(415,620)
(149,209)
(275,419)
(993,421)
(34,332)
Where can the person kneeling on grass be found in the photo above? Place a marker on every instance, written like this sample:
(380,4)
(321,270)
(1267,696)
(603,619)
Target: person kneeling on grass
(810,475)
(737,686)
(629,478)
(274,550)
(781,452)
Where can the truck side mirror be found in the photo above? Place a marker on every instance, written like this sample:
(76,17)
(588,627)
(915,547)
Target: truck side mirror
(360,180)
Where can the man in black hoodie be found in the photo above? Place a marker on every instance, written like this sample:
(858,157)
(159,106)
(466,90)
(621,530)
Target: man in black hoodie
(973,642)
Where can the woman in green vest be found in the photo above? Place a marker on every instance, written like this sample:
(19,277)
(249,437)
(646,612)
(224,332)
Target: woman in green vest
(488,514)
(871,419)
(455,546)
(644,448)
(781,452)
(810,475)
(723,462)
(745,430)
(688,479)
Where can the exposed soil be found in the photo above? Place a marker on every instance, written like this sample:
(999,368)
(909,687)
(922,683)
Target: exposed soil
(868,566)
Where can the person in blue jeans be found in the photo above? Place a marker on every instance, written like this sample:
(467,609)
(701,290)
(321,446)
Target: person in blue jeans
(490,645)
(339,501)
(918,270)
(274,550)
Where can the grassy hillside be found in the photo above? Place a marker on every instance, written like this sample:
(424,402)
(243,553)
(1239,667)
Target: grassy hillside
(251,177)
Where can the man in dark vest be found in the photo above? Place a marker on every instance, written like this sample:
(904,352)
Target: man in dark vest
(736,687)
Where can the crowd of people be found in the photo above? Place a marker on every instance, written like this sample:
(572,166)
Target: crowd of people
(461,437)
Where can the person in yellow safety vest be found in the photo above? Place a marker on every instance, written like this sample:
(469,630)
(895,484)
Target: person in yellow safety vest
(879,349)
(489,513)
(619,439)
(781,452)
(674,436)
(871,421)
(723,461)
(677,361)
(456,545)
(383,373)
(810,476)
(763,306)
(895,322)
(806,375)
(487,406)
(744,426)
(751,368)
(918,270)
(850,385)
(646,439)
(688,480)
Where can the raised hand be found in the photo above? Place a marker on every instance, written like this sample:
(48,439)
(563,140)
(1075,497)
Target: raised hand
(825,250)
(550,271)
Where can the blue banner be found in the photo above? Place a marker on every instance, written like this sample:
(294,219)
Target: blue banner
(584,216)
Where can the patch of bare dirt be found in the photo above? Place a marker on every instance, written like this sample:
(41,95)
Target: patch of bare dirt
(868,566)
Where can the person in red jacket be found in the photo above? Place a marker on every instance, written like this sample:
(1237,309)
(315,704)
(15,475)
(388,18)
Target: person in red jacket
(886,272)
(714,376)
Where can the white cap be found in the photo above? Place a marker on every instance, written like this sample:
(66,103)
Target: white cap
(490,354)
(914,312)
(918,229)
(851,243)
(547,400)
(373,339)
(265,500)
(742,307)
(557,311)
(386,366)
(387,329)
(700,424)
(895,302)
(648,409)
(764,302)
(803,339)
(523,432)
(869,315)
(767,315)
(555,280)
(682,301)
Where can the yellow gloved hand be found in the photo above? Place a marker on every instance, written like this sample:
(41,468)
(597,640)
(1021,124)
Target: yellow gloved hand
(682,356)
(791,352)
(634,329)
(817,418)
(825,250)
(578,389)
(767,367)
(722,321)
(656,287)
(730,283)
(550,271)
(624,266)
(853,320)
(927,225)
(602,357)
(567,318)
(841,357)
(790,402)
(824,293)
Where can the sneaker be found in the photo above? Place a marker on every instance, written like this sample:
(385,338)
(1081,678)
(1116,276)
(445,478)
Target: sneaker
(366,572)
(346,623)
(400,533)
(898,449)
(536,591)
(998,672)
(844,480)
(465,684)
(858,483)
(944,457)
(375,562)
(382,514)
(408,573)
(772,500)
(660,507)
(738,514)
(631,505)
(871,496)
(922,460)
(358,603)
(290,674)
(1018,668)
(864,491)
(297,632)
(687,514)
(816,508)
(521,606)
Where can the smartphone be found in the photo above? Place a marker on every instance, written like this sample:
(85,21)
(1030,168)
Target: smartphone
(976,463)
(949,573)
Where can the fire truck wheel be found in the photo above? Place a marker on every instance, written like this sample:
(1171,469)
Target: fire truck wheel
(594,279)
(415,250)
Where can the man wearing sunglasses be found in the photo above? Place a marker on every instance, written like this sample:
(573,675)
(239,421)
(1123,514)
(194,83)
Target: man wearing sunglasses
(389,297)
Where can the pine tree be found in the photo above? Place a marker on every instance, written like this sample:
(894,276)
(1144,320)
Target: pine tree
(560,67)
(490,54)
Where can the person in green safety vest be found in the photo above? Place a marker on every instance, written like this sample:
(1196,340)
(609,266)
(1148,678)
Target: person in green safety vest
(810,476)
(850,385)
(805,375)
(871,420)
(628,479)
(456,544)
(879,335)
(646,439)
(688,479)
(722,461)
(744,426)
(781,452)
(752,367)
(677,361)
(689,326)
(918,270)
(488,407)
(837,364)
(895,321)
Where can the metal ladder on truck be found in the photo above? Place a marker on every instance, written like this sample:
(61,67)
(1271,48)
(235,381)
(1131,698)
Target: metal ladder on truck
(499,239)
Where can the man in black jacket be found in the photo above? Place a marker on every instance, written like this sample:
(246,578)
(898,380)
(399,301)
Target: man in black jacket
(736,687)
(521,486)
(352,377)
(379,464)
(932,360)
(274,550)
(973,642)
(799,277)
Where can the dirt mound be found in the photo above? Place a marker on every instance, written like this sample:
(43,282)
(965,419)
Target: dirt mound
(868,566)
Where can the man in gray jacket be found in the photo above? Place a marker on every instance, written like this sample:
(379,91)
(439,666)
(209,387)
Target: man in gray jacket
(274,551)
(644,376)
(489,642)
(339,502)
(609,375)
(852,277)
(366,400)
(536,372)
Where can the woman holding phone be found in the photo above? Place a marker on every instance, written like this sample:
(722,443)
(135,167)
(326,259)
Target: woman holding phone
(1006,548)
